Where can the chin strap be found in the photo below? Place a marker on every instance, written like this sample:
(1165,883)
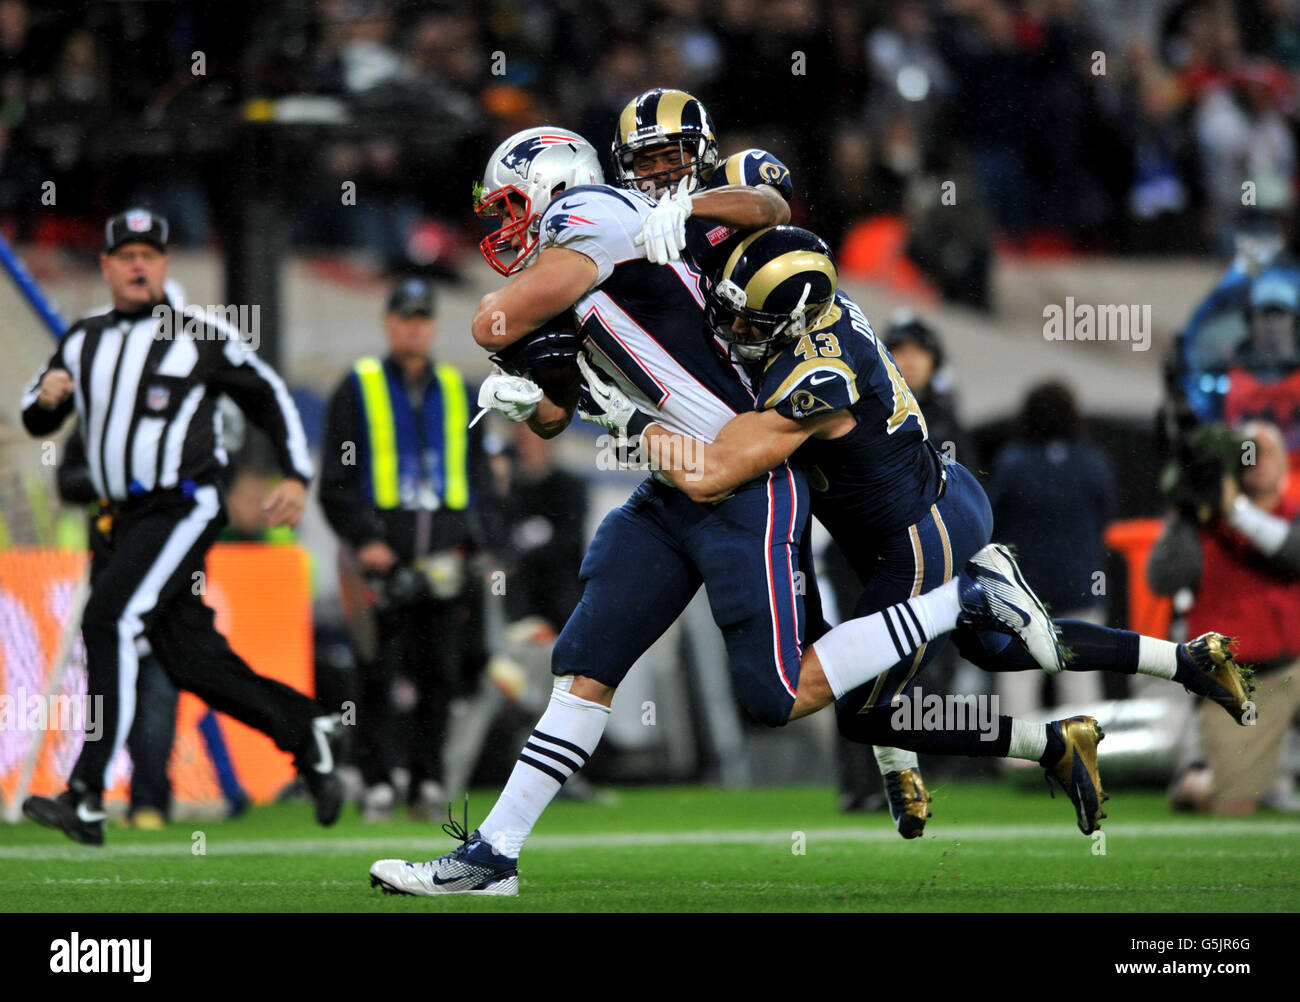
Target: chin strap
(797,320)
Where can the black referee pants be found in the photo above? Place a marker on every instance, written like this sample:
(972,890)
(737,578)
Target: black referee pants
(150,584)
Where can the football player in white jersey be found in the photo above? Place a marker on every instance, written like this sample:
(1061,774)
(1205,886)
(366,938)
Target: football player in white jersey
(571,246)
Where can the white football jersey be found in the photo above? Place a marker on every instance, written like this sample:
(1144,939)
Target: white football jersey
(644,323)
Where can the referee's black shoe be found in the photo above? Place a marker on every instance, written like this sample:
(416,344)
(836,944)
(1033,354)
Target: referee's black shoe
(80,816)
(316,764)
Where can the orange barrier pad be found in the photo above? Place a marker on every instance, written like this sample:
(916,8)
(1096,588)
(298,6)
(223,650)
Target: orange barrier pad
(262,599)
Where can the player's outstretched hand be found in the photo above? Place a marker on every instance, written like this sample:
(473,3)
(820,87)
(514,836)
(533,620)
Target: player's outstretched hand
(664,231)
(283,506)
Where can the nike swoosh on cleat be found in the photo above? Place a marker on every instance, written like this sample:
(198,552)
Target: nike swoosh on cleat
(90,817)
(324,764)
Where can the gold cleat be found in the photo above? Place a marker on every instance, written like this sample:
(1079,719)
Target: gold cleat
(1076,770)
(909,801)
(1218,677)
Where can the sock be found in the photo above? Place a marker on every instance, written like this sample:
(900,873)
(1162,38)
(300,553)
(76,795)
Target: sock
(857,651)
(1099,648)
(894,760)
(1158,658)
(559,746)
(1028,740)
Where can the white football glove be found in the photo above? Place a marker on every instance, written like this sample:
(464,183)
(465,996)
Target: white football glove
(513,396)
(663,233)
(606,405)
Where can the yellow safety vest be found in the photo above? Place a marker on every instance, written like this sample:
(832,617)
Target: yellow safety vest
(384,458)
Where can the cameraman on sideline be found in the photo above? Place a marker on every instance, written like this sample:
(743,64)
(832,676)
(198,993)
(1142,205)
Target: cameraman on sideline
(1241,558)
(402,485)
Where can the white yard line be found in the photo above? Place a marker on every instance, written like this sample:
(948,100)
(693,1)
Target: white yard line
(424,848)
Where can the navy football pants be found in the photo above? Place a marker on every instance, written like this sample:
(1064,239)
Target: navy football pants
(650,556)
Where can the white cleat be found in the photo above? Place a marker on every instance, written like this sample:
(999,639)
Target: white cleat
(995,596)
(474,868)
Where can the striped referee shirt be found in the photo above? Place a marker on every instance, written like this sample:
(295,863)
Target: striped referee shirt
(147,405)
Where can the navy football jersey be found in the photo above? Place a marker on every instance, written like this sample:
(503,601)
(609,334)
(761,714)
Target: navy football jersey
(644,323)
(708,242)
(883,475)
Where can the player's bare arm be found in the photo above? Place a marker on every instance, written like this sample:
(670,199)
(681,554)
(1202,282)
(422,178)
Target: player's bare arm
(552,285)
(742,206)
(749,444)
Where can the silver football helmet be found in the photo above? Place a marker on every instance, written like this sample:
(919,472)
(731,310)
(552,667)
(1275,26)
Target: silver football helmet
(523,174)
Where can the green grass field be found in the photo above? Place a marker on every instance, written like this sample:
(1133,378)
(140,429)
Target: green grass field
(989,847)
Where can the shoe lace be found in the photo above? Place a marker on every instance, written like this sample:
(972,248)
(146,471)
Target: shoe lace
(457,829)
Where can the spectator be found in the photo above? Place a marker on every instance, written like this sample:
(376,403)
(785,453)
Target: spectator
(1243,566)
(402,483)
(1052,495)
(1263,383)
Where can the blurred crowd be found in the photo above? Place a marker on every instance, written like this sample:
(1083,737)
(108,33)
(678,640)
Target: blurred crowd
(1061,124)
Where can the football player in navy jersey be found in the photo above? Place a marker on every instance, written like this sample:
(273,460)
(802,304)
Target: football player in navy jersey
(665,146)
(830,396)
(569,241)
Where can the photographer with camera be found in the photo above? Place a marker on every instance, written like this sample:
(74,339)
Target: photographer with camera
(402,485)
(1233,539)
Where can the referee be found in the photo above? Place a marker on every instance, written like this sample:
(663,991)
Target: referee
(144,380)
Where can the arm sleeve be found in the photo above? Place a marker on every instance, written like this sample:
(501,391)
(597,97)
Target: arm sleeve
(263,397)
(598,222)
(808,388)
(1175,560)
(36,419)
(346,507)
(755,167)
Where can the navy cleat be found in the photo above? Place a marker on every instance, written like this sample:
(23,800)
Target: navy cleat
(909,801)
(1207,668)
(1072,754)
(475,868)
(80,816)
(995,596)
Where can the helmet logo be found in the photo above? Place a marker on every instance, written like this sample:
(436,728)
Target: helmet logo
(520,157)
